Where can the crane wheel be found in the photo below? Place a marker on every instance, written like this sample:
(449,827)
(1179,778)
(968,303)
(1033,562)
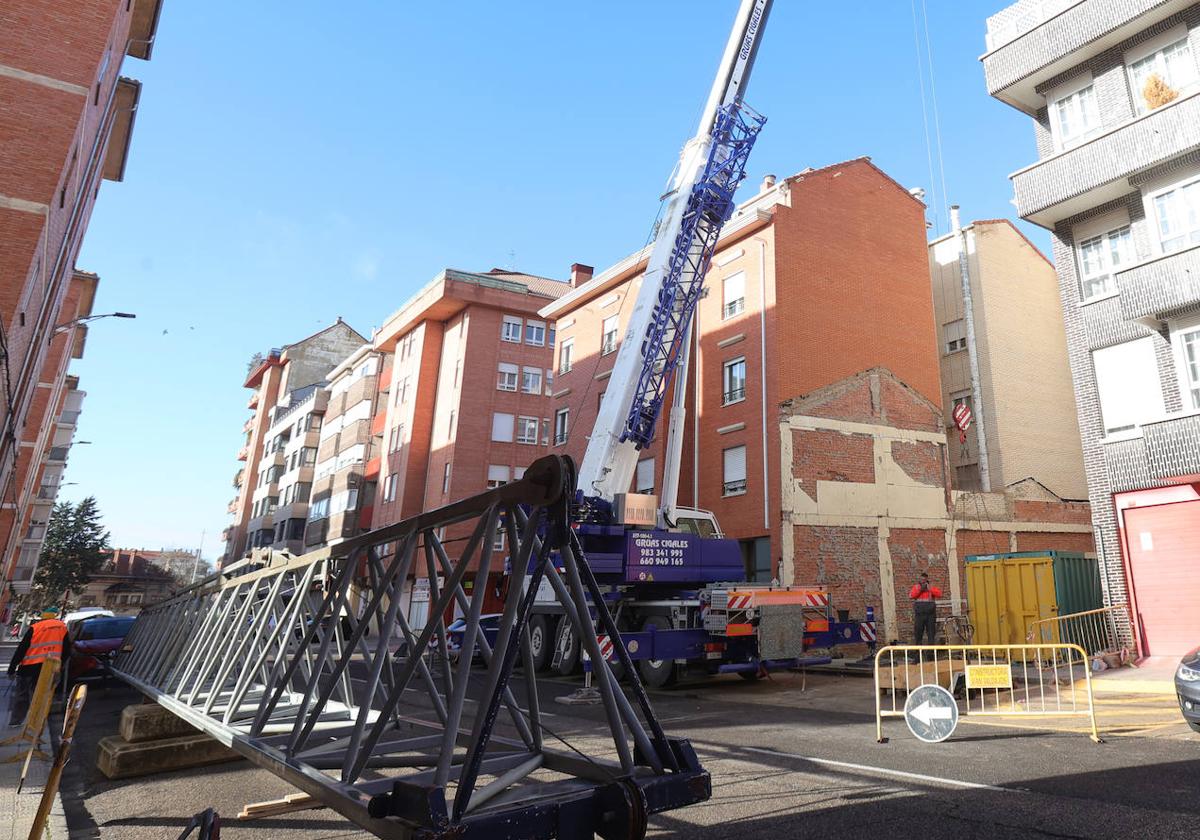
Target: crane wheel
(657,673)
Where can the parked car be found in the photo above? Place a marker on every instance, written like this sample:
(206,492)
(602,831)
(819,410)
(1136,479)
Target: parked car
(1187,686)
(489,624)
(94,642)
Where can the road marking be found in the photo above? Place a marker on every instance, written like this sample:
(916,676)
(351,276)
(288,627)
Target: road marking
(887,771)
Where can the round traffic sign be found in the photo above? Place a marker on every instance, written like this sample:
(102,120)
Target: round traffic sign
(931,713)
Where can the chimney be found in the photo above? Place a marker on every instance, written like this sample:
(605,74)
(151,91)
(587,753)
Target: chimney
(580,274)
(768,182)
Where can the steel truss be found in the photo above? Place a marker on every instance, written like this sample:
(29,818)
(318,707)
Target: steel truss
(372,716)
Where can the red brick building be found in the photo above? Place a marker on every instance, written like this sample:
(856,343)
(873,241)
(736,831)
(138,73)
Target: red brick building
(823,274)
(66,124)
(467,406)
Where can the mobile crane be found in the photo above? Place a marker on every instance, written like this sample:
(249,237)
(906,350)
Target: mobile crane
(675,584)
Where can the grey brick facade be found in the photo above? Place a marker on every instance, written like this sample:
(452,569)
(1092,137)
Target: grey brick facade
(1107,174)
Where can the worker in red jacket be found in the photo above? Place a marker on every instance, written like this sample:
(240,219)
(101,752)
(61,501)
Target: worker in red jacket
(45,639)
(924,609)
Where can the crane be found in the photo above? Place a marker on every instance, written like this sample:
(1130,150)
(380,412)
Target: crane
(698,202)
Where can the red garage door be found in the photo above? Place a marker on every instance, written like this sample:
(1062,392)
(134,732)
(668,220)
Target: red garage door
(1164,562)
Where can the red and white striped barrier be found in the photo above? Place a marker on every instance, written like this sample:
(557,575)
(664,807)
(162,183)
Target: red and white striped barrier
(867,630)
(606,647)
(739,601)
(816,599)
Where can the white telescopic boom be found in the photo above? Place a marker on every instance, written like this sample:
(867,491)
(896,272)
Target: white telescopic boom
(609,463)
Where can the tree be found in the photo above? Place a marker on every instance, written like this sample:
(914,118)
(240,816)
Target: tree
(76,547)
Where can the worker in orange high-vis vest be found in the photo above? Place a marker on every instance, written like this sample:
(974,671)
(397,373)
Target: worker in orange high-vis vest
(45,639)
(924,609)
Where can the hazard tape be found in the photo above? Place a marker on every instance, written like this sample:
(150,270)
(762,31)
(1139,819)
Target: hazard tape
(867,630)
(816,599)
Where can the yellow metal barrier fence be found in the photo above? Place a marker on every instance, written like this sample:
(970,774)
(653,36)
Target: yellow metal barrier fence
(1095,631)
(1032,680)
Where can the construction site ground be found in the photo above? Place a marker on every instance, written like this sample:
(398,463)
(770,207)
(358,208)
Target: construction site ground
(795,752)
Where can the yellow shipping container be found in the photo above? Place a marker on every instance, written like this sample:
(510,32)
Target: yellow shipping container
(1007,593)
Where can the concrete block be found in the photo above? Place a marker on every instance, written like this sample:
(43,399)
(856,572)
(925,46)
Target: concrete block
(152,723)
(116,758)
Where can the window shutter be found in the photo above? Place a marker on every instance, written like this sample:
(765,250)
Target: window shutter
(496,473)
(502,428)
(735,464)
(734,287)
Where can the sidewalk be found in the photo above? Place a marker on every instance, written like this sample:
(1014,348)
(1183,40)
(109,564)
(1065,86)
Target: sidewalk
(17,810)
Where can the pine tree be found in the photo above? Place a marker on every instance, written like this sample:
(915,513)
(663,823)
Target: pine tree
(1157,93)
(75,548)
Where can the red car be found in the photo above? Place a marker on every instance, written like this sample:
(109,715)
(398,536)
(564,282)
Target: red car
(94,643)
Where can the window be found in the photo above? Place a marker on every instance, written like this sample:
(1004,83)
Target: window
(302,491)
(955,335)
(507,377)
(498,537)
(1128,384)
(734,381)
(644,481)
(308,456)
(1187,342)
(496,476)
(733,294)
(561,423)
(394,438)
(735,471)
(527,430)
(566,354)
(320,509)
(389,487)
(549,383)
(457,371)
(550,337)
(1076,117)
(402,394)
(545,431)
(531,380)
(511,329)
(1177,212)
(406,345)
(535,333)
(450,425)
(1100,257)
(446,479)
(608,335)
(502,428)
(1161,76)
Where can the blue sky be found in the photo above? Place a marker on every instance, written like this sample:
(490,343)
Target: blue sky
(290,165)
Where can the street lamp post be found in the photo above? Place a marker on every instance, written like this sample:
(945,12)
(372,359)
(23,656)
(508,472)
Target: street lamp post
(66,325)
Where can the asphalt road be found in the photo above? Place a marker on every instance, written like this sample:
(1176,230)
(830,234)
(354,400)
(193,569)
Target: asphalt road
(787,758)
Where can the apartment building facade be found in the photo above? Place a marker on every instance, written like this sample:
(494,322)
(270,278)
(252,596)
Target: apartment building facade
(1113,87)
(820,276)
(67,124)
(1030,421)
(467,404)
(347,455)
(280,440)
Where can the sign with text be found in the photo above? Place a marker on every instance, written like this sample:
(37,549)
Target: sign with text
(989,676)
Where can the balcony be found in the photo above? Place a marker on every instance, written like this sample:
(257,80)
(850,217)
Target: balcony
(272,459)
(1155,290)
(232,507)
(1098,171)
(57,454)
(238,477)
(1033,41)
(1173,446)
(253,403)
(249,424)
(243,453)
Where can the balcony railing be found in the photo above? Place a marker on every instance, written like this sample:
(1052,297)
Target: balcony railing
(736,395)
(1160,288)
(1011,23)
(734,307)
(243,453)
(1096,171)
(733,488)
